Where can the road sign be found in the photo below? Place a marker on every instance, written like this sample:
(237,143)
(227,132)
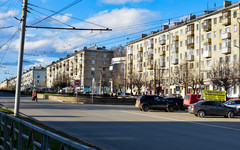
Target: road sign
(178,89)
(77,82)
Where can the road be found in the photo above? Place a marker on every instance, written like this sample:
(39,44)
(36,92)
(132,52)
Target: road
(116,127)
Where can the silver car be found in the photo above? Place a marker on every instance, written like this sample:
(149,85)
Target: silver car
(234,104)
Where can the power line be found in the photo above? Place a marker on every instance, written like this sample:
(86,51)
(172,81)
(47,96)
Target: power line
(68,16)
(64,8)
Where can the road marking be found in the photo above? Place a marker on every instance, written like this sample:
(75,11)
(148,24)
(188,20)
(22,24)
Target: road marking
(172,119)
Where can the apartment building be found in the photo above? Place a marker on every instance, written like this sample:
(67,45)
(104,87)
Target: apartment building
(33,78)
(4,84)
(197,43)
(84,65)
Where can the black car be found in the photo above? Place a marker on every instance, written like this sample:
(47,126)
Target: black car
(213,108)
(176,101)
(146,102)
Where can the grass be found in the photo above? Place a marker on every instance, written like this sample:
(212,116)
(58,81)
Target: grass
(54,144)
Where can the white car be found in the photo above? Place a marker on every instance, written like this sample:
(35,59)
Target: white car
(235,103)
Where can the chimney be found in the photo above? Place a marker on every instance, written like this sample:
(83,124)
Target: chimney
(143,35)
(104,47)
(191,17)
(85,48)
(227,3)
(75,51)
(165,27)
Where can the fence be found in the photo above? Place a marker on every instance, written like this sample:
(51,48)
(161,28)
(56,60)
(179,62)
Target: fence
(17,134)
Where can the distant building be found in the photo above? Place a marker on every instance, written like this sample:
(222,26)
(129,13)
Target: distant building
(4,85)
(85,65)
(118,68)
(33,78)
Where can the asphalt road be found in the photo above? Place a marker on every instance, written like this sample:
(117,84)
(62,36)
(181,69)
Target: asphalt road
(116,127)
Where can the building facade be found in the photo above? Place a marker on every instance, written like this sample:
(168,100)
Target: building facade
(196,43)
(89,65)
(4,84)
(33,78)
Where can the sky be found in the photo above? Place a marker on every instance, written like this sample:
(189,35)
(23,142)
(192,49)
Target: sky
(128,19)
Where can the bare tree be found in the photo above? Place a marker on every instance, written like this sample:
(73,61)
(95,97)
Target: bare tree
(137,82)
(61,81)
(222,76)
(119,51)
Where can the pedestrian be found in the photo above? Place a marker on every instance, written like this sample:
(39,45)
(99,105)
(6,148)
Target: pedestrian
(34,95)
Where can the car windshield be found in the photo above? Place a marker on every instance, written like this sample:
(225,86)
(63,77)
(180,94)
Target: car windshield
(187,97)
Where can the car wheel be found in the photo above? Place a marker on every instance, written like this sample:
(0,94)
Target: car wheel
(170,109)
(201,113)
(230,114)
(145,108)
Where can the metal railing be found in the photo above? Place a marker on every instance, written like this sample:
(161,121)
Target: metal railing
(17,134)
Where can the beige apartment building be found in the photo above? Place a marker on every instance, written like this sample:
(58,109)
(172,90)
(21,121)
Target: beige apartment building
(196,43)
(89,65)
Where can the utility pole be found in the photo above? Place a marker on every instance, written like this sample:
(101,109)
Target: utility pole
(20,58)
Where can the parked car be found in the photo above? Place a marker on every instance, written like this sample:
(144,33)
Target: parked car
(235,103)
(125,95)
(213,108)
(146,102)
(176,101)
(191,99)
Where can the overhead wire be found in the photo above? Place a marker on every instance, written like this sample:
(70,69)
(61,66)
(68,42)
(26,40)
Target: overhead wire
(68,16)
(64,8)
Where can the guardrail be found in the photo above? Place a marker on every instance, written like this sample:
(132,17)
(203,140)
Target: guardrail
(17,134)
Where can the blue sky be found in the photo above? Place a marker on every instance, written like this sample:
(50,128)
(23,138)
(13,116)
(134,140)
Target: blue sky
(125,17)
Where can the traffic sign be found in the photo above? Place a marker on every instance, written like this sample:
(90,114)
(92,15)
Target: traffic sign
(77,82)
(178,89)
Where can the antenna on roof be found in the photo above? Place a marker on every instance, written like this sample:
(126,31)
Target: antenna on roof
(207,5)
(215,5)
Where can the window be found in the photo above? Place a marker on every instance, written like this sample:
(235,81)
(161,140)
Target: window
(235,14)
(197,26)
(220,60)
(235,57)
(93,62)
(215,47)
(235,43)
(235,28)
(220,19)
(220,46)
(197,39)
(92,69)
(215,34)
(93,55)
(202,37)
(191,65)
(227,59)
(209,62)
(209,35)
(227,30)
(104,55)
(181,44)
(220,32)
(215,20)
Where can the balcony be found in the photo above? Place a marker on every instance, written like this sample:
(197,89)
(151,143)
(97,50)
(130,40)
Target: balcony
(190,33)
(226,50)
(207,54)
(226,36)
(140,49)
(150,67)
(190,57)
(226,18)
(175,38)
(140,69)
(150,56)
(162,53)
(175,49)
(190,45)
(131,61)
(150,46)
(140,59)
(130,52)
(207,41)
(174,61)
(162,42)
(207,25)
(162,64)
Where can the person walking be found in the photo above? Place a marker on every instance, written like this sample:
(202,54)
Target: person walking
(34,95)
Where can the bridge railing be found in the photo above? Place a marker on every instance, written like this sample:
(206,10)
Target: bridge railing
(17,134)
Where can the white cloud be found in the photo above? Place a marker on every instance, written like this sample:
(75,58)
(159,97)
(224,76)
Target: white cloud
(62,18)
(117,2)
(10,13)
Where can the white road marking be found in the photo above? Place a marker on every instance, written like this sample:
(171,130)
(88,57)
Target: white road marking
(172,119)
